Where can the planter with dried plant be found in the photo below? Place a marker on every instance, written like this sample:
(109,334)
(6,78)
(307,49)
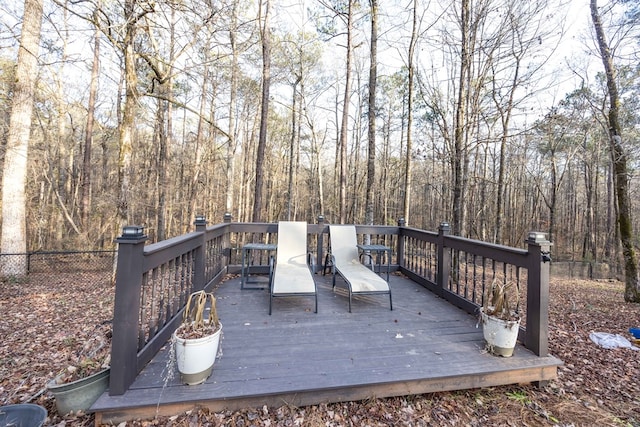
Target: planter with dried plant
(197,339)
(500,323)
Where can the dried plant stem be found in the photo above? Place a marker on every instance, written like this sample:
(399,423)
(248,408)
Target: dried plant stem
(496,301)
(194,324)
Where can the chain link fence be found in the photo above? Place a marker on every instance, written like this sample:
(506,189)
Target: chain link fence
(94,267)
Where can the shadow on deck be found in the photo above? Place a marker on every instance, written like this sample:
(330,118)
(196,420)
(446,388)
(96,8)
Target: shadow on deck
(297,357)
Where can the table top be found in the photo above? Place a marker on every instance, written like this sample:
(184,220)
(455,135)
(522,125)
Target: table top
(374,247)
(260,246)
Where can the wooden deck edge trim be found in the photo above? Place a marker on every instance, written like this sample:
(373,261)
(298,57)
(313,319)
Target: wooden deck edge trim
(357,393)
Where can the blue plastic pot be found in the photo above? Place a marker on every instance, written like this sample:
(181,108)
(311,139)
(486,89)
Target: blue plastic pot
(22,415)
(635,332)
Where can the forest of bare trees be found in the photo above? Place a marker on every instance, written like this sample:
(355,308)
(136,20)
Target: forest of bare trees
(492,115)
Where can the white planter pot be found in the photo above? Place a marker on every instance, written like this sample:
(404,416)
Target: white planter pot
(500,335)
(195,357)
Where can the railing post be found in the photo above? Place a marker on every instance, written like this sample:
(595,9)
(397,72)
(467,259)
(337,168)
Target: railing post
(124,345)
(227,218)
(400,244)
(200,262)
(444,258)
(200,223)
(320,245)
(537,325)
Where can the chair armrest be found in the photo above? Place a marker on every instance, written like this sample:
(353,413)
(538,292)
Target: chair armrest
(311,262)
(370,260)
(272,263)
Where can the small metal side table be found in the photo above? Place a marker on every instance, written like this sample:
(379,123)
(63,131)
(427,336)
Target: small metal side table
(246,262)
(378,250)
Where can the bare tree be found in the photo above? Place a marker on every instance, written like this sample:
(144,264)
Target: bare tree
(85,203)
(134,12)
(341,150)
(619,156)
(459,156)
(408,171)
(294,146)
(14,176)
(559,147)
(344,125)
(233,96)
(265,36)
(371,147)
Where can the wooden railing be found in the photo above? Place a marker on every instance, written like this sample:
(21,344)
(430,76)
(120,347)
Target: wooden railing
(153,281)
(460,270)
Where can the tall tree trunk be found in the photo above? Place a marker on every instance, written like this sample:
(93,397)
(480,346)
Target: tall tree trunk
(192,205)
(406,200)
(292,149)
(85,202)
(166,133)
(161,162)
(14,177)
(459,143)
(163,226)
(619,156)
(373,78)
(233,95)
(265,33)
(63,176)
(316,204)
(590,183)
(344,126)
(127,125)
(505,120)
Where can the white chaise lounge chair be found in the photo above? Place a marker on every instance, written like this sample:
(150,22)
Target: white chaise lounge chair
(345,262)
(291,275)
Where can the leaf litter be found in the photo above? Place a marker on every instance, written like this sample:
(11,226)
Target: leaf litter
(47,323)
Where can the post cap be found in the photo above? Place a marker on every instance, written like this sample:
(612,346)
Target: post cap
(200,220)
(537,237)
(132,232)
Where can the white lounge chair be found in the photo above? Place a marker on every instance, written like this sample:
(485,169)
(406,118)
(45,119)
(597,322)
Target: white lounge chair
(345,262)
(291,275)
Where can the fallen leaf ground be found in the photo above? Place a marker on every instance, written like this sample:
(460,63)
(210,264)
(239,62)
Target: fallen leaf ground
(44,319)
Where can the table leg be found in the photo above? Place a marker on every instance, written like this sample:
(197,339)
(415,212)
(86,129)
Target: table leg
(242,271)
(388,255)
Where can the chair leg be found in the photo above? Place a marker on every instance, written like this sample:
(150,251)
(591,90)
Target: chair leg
(327,264)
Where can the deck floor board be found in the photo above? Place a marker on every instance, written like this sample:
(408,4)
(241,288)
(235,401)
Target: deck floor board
(423,345)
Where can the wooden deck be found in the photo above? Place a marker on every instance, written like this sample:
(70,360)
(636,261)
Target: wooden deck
(297,357)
